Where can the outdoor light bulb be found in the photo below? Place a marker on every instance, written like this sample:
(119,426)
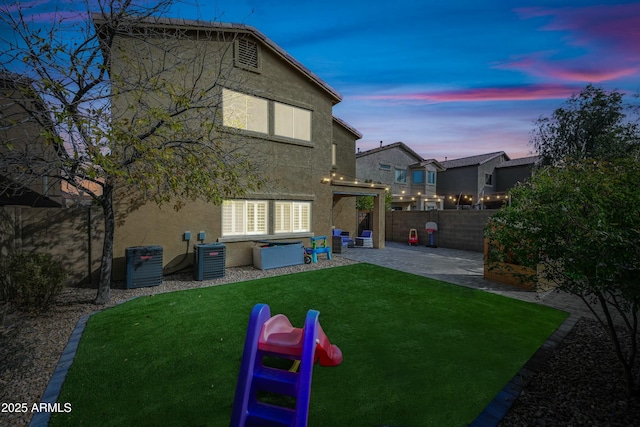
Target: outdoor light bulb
(402,191)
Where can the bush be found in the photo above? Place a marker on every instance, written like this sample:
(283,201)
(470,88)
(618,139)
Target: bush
(31,280)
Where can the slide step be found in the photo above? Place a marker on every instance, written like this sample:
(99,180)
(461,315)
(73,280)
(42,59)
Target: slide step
(276,381)
(263,415)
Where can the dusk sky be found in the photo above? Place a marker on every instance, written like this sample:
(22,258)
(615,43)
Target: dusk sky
(448,78)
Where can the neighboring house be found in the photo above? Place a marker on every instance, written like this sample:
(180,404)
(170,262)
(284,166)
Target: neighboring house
(411,180)
(289,116)
(482,181)
(21,123)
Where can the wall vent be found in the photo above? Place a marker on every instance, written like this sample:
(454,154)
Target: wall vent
(247,54)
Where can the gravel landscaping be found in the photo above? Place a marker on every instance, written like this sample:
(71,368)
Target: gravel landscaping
(578,386)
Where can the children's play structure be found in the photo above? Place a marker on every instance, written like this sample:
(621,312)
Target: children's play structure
(318,246)
(431,228)
(274,337)
(413,237)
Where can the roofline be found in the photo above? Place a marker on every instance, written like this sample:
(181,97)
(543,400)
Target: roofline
(499,153)
(197,25)
(492,156)
(434,162)
(347,127)
(400,144)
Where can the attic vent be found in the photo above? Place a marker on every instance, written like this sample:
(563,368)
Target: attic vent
(247,54)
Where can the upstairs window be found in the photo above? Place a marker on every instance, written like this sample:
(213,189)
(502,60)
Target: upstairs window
(431,177)
(488,179)
(245,112)
(292,122)
(385,166)
(401,176)
(244,217)
(418,177)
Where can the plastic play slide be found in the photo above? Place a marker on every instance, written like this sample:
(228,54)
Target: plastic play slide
(276,337)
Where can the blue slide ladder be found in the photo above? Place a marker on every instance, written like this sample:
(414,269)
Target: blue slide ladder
(254,377)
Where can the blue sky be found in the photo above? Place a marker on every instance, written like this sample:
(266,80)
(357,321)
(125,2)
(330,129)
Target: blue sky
(449,78)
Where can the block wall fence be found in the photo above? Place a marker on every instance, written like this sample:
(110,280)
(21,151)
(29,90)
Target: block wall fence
(457,229)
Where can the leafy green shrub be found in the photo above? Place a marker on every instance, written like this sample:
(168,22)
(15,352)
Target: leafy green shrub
(31,280)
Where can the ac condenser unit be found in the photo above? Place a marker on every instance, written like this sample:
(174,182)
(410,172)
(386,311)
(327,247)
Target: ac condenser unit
(144,266)
(209,261)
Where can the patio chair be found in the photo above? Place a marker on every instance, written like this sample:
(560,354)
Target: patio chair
(365,240)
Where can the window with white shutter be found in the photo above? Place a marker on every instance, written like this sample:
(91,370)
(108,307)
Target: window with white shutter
(291,217)
(244,217)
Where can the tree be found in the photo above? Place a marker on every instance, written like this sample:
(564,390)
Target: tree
(132,109)
(577,220)
(365,203)
(592,124)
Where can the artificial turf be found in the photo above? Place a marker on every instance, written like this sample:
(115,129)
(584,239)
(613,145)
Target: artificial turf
(417,351)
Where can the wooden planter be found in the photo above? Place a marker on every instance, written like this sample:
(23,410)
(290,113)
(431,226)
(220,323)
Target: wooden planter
(509,274)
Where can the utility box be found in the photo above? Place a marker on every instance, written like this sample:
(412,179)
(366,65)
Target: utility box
(274,254)
(144,266)
(209,261)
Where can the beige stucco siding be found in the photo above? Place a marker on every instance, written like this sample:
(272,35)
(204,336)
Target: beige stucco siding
(294,170)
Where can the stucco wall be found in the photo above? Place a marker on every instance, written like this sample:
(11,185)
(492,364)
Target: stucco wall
(293,170)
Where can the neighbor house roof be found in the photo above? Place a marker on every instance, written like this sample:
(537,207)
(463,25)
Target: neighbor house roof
(532,160)
(473,160)
(433,162)
(198,25)
(400,145)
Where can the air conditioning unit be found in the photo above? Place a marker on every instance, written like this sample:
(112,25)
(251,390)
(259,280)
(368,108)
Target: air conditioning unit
(144,266)
(209,261)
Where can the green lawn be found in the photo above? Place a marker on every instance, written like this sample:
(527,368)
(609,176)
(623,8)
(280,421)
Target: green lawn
(417,352)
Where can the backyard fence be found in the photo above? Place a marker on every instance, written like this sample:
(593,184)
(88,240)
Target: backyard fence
(71,235)
(457,229)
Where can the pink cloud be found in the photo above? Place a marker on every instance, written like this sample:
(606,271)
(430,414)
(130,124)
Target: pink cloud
(516,93)
(614,26)
(608,36)
(581,70)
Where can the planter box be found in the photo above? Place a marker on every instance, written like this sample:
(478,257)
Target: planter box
(269,254)
(511,274)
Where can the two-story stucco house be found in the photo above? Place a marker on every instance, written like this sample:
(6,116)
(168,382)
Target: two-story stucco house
(482,181)
(410,178)
(284,112)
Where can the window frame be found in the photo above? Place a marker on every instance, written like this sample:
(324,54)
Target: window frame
(231,112)
(421,174)
(240,221)
(488,179)
(402,173)
(298,115)
(296,215)
(431,177)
